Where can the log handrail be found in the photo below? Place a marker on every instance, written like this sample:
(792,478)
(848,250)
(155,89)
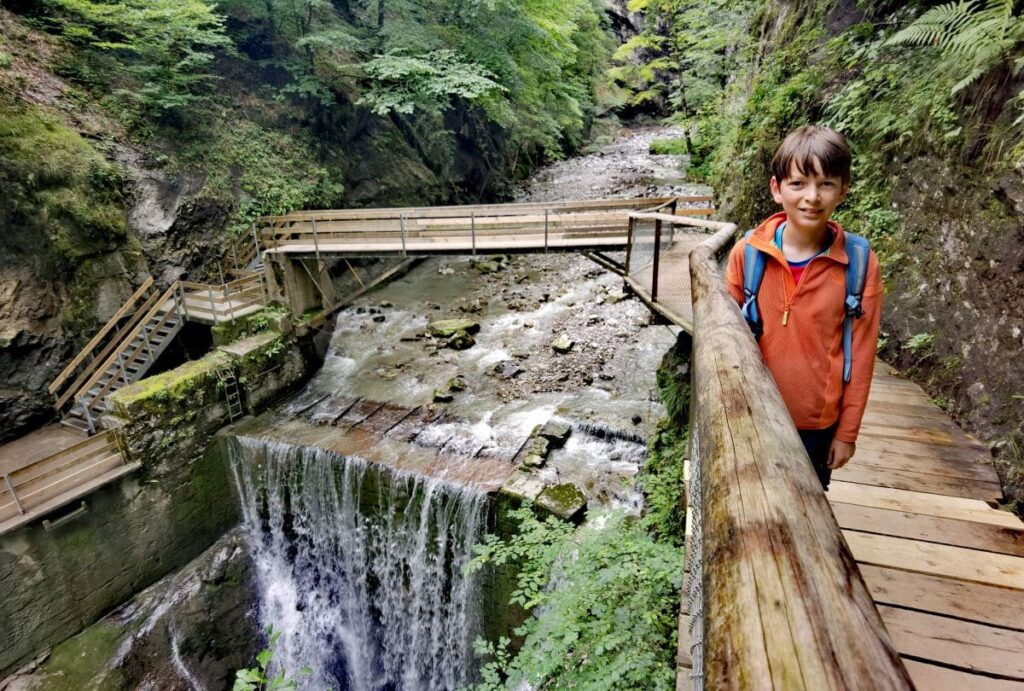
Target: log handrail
(95,341)
(777,600)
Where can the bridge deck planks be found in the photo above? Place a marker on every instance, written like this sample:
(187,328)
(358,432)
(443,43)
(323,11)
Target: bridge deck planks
(917,506)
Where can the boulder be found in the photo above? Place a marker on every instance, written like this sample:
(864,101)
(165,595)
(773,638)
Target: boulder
(556,433)
(441,396)
(563,344)
(461,340)
(446,328)
(565,500)
(536,454)
(456,384)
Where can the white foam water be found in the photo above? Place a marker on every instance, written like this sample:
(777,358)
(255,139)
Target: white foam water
(360,567)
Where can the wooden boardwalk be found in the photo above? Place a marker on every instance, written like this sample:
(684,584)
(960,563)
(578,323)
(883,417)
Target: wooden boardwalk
(917,507)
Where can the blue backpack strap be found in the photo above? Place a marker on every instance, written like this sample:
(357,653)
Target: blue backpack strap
(857,250)
(753,273)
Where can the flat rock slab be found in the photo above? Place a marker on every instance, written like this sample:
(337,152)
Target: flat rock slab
(327,412)
(446,328)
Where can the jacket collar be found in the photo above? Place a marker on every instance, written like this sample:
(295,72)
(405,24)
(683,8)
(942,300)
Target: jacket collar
(763,238)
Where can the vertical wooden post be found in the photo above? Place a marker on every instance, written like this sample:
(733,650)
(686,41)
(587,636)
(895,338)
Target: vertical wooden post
(545,231)
(657,259)
(10,488)
(472,229)
(256,240)
(213,306)
(401,221)
(316,242)
(629,242)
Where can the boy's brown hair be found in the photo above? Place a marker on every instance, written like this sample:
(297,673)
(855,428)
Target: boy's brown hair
(805,145)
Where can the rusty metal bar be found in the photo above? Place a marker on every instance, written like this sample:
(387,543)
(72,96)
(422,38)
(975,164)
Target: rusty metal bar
(657,259)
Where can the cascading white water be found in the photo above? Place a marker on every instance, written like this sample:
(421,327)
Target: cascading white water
(360,567)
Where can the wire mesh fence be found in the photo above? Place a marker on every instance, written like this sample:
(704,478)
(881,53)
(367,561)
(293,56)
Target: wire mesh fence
(695,563)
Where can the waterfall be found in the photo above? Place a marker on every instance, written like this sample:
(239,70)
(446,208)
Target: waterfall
(360,567)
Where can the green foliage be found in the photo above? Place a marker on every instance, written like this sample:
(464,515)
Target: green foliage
(919,343)
(606,600)
(56,185)
(403,83)
(974,39)
(668,146)
(166,45)
(260,678)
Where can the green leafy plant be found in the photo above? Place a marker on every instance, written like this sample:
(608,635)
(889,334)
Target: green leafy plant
(975,39)
(167,45)
(260,678)
(919,343)
(605,599)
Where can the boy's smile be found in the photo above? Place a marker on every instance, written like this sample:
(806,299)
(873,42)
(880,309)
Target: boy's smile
(808,198)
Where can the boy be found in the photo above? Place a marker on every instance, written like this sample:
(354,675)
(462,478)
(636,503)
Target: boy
(801,300)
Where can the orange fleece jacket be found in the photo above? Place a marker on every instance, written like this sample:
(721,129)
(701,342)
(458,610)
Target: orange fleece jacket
(805,355)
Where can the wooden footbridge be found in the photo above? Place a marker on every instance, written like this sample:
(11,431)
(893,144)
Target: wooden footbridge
(905,573)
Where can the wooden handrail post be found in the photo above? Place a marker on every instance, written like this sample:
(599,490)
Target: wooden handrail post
(120,364)
(629,242)
(231,304)
(472,229)
(401,224)
(88,417)
(255,240)
(213,306)
(149,347)
(10,488)
(316,242)
(545,231)
(657,259)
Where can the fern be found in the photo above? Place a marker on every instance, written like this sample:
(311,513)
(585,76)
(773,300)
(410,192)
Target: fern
(974,40)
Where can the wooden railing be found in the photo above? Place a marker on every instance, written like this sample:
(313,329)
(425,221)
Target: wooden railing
(39,484)
(221,303)
(776,599)
(316,229)
(70,381)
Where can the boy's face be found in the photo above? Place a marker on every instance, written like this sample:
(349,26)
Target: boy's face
(808,198)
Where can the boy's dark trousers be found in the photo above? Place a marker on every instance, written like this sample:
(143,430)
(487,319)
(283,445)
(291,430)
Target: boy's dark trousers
(818,442)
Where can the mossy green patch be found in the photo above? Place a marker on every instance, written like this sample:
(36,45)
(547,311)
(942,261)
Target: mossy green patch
(169,388)
(57,185)
(79,662)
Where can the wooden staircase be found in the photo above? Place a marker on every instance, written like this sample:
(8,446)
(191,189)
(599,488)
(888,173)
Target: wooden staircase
(129,361)
(127,346)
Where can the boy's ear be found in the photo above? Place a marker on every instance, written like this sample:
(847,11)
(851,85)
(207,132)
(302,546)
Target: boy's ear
(843,192)
(776,192)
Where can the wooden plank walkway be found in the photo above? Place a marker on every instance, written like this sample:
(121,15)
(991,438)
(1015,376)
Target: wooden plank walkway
(917,507)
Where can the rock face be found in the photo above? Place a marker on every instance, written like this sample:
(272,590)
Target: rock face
(192,629)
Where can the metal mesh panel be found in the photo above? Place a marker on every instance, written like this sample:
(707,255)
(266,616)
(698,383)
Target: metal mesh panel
(695,559)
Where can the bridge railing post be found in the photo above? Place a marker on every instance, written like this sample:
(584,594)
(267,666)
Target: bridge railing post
(545,231)
(316,241)
(213,306)
(657,260)
(401,225)
(255,240)
(472,229)
(629,242)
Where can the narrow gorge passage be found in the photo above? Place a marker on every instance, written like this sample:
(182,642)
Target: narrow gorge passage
(364,494)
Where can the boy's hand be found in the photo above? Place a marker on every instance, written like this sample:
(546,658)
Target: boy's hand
(840,453)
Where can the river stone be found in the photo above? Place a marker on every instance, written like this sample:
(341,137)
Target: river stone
(563,344)
(523,485)
(456,384)
(507,369)
(486,267)
(461,341)
(615,298)
(447,328)
(441,396)
(536,454)
(565,500)
(556,433)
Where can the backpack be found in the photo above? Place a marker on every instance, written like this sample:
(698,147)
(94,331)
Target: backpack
(857,248)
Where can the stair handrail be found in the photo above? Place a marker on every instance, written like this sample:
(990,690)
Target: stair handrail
(95,341)
(169,294)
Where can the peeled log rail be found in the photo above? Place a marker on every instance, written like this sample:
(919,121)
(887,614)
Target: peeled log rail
(784,604)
